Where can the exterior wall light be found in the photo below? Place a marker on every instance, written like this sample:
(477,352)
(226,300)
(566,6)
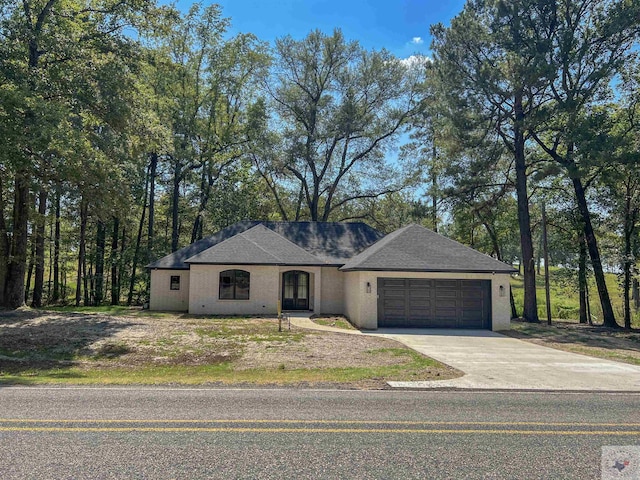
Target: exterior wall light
(368,287)
(503,291)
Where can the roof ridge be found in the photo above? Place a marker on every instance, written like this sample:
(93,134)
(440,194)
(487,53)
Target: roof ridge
(250,240)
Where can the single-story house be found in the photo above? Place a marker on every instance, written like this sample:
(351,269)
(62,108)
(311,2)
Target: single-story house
(412,277)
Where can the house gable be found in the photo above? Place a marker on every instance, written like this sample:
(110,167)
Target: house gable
(415,248)
(257,246)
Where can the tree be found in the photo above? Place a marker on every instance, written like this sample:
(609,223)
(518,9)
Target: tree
(337,110)
(203,85)
(590,42)
(493,76)
(49,51)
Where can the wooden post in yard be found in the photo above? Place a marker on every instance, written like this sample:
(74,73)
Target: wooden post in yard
(279,316)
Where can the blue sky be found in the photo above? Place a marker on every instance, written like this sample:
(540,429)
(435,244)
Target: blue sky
(400,26)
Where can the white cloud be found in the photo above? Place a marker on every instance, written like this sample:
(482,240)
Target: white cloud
(415,61)
(417,40)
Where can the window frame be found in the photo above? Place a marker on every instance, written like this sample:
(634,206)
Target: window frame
(235,278)
(172,283)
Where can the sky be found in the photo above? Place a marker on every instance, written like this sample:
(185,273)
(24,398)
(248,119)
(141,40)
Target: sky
(400,26)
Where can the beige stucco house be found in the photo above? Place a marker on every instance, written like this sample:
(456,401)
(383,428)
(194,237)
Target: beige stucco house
(412,277)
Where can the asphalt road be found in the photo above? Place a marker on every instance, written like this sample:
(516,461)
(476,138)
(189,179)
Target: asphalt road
(77,433)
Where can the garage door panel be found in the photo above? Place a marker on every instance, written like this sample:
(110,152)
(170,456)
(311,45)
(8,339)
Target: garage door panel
(471,314)
(420,305)
(446,303)
(468,304)
(434,303)
(395,292)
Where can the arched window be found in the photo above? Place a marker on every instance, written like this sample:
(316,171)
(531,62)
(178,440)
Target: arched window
(234,285)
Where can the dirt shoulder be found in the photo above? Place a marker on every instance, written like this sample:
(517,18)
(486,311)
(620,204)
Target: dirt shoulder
(618,345)
(65,347)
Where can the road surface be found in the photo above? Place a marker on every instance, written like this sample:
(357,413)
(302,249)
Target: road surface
(163,433)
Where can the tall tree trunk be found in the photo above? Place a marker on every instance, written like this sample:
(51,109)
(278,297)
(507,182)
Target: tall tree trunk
(81,251)
(175,203)
(115,291)
(539,257)
(56,251)
(530,311)
(196,231)
(152,205)
(586,290)
(626,287)
(630,220)
(138,242)
(582,279)
(39,241)
(512,302)
(14,285)
(434,186)
(14,288)
(101,233)
(85,281)
(4,248)
(609,319)
(545,247)
(27,287)
(50,272)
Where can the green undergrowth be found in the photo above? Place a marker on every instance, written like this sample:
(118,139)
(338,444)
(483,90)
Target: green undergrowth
(565,302)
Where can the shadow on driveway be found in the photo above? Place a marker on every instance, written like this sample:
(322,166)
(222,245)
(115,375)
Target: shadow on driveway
(436,332)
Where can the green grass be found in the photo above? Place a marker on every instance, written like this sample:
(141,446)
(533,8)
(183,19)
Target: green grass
(224,373)
(565,303)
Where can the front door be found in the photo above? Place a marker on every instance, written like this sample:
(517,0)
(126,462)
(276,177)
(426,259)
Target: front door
(295,290)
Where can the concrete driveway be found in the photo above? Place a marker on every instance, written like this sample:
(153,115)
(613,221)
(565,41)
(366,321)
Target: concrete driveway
(493,361)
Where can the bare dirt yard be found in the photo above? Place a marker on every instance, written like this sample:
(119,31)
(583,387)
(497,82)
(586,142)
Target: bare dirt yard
(595,341)
(149,348)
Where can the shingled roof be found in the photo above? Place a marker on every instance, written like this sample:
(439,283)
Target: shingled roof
(415,248)
(256,246)
(331,243)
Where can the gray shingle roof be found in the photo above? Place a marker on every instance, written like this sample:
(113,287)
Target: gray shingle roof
(333,243)
(256,246)
(176,259)
(415,248)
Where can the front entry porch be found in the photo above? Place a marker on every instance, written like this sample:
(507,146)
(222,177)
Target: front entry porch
(295,290)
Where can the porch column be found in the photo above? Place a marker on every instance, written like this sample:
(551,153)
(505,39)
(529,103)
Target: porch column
(317,290)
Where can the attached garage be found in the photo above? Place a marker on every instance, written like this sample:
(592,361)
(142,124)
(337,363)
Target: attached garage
(433,303)
(416,278)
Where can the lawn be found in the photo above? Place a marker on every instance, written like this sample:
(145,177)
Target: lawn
(119,345)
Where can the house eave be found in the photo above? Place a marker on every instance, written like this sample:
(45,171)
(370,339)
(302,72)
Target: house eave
(150,267)
(283,264)
(428,270)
